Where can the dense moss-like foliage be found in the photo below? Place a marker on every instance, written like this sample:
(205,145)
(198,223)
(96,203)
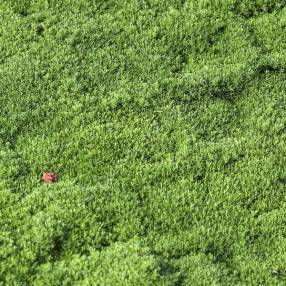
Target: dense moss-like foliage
(256,7)
(165,121)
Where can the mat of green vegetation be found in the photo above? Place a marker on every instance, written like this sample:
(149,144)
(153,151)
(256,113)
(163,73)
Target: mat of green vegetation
(166,122)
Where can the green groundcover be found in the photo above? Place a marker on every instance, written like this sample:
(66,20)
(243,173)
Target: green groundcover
(165,121)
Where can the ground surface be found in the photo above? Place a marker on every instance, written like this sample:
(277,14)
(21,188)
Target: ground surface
(166,122)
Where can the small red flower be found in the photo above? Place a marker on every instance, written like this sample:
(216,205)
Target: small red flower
(49,177)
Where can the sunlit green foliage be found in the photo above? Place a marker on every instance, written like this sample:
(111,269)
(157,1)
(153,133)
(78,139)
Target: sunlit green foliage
(165,120)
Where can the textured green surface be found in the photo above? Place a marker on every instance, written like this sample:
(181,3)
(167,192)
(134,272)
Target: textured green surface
(166,122)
